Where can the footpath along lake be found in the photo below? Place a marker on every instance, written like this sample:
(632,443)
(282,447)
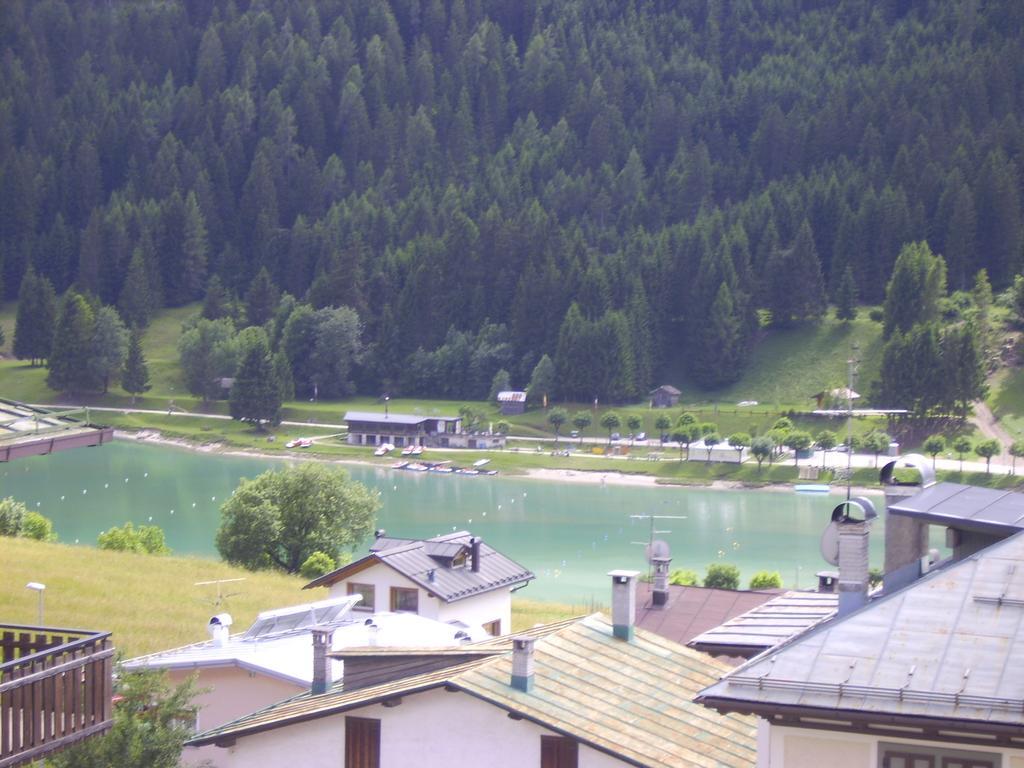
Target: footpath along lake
(569,534)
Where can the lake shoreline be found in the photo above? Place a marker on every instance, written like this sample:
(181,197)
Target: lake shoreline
(590,477)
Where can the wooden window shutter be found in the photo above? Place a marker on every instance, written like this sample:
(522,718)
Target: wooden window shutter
(558,752)
(362,742)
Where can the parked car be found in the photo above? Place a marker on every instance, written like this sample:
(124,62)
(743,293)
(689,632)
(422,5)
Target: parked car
(615,435)
(641,436)
(574,433)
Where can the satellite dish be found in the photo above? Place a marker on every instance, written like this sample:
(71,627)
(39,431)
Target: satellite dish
(830,543)
(658,550)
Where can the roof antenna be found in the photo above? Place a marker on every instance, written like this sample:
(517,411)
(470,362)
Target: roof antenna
(649,544)
(851,379)
(221,598)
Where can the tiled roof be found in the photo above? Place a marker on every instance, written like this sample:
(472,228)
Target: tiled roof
(693,610)
(948,646)
(628,699)
(412,558)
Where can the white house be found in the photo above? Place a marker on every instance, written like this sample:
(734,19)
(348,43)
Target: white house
(273,659)
(455,577)
(587,692)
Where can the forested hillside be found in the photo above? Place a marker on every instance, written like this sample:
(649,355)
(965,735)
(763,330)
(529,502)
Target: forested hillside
(483,182)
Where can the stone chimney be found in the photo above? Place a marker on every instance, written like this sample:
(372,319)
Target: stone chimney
(321,664)
(623,603)
(474,553)
(659,597)
(852,538)
(522,663)
(906,538)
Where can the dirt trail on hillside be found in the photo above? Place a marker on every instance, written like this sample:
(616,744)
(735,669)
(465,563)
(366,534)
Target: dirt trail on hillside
(987,424)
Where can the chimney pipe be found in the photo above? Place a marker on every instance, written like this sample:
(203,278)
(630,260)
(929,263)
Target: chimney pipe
(379,533)
(321,664)
(522,663)
(219,628)
(474,550)
(623,603)
(659,597)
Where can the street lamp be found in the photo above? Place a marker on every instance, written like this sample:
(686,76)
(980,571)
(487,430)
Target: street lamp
(38,588)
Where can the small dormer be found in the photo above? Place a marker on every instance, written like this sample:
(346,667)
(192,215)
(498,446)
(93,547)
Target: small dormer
(450,554)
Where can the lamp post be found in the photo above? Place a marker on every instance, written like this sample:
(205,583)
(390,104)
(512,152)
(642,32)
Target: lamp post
(39,589)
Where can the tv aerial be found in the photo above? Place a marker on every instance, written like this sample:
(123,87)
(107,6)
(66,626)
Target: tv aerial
(221,597)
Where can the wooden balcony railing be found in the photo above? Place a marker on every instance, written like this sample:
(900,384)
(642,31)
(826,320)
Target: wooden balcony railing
(55,690)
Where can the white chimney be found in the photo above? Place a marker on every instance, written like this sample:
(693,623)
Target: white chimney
(852,552)
(623,603)
(219,628)
(522,663)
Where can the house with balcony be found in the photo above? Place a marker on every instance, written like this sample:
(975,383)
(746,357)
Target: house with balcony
(454,577)
(584,693)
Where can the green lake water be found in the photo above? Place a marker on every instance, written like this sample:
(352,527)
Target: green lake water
(569,534)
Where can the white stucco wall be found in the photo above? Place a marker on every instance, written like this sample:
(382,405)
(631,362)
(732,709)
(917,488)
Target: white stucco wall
(233,692)
(435,729)
(781,747)
(476,610)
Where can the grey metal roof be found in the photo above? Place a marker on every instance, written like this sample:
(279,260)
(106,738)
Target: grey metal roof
(411,558)
(632,700)
(512,396)
(767,625)
(949,645)
(391,418)
(966,507)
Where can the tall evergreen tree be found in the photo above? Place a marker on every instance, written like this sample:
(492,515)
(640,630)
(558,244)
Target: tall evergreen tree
(261,299)
(136,301)
(107,348)
(917,284)
(135,376)
(68,362)
(846,296)
(34,323)
(256,392)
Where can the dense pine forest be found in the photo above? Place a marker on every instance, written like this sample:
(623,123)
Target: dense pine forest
(431,196)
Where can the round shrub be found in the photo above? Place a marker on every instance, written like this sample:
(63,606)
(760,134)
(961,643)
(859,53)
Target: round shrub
(316,565)
(683,577)
(722,576)
(35,526)
(766,580)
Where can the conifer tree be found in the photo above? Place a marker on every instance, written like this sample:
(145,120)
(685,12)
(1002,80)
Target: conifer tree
(261,299)
(72,341)
(846,296)
(256,392)
(135,377)
(136,301)
(37,311)
(216,303)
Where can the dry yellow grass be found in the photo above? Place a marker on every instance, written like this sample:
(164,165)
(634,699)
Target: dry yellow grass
(150,603)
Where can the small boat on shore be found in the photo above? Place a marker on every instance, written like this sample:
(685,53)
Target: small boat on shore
(811,488)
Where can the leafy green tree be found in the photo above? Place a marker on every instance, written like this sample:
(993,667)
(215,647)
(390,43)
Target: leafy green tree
(766,580)
(987,449)
(152,720)
(797,440)
(12,516)
(316,565)
(877,443)
(337,349)
(633,424)
(282,517)
(663,424)
(711,439)
(502,427)
(208,352)
(826,440)
(962,445)
(683,577)
(556,418)
(283,374)
(1016,451)
(722,576)
(933,446)
(256,393)
(963,368)
(610,421)
(69,361)
(581,420)
(135,376)
(846,296)
(739,441)
(542,381)
(34,323)
(762,448)
(146,539)
(1017,299)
